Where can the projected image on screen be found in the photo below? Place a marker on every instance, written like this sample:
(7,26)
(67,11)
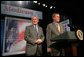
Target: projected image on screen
(65,25)
(14,42)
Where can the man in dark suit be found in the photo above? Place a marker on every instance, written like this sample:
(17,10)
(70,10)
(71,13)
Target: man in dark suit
(54,29)
(34,38)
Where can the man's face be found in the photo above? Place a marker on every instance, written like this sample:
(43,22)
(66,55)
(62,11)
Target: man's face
(35,20)
(57,18)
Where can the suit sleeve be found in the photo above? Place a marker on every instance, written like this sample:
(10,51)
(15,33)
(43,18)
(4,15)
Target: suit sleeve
(42,35)
(48,36)
(27,36)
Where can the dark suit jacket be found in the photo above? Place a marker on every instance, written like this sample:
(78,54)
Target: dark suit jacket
(30,37)
(52,32)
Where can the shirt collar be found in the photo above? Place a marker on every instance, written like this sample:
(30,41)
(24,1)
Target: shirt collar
(35,25)
(55,23)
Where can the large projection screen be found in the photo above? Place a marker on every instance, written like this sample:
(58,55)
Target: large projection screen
(14,42)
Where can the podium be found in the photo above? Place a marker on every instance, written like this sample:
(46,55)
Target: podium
(67,40)
(66,36)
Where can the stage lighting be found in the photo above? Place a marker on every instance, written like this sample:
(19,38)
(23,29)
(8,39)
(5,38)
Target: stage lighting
(46,6)
(54,7)
(38,3)
(43,4)
(51,7)
(35,1)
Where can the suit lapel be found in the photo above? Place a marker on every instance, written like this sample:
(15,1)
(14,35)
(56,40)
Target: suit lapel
(60,28)
(33,29)
(39,31)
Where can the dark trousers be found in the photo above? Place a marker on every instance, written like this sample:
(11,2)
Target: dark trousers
(38,51)
(57,50)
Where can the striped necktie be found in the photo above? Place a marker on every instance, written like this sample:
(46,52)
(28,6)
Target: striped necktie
(58,27)
(36,30)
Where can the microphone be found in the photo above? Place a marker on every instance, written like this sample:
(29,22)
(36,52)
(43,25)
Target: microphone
(72,26)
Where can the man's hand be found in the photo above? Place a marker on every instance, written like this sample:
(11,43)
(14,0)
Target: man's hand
(49,50)
(38,41)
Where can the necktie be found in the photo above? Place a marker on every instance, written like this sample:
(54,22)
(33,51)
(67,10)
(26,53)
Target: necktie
(58,27)
(36,30)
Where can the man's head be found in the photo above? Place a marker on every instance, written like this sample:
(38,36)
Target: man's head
(35,20)
(56,17)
